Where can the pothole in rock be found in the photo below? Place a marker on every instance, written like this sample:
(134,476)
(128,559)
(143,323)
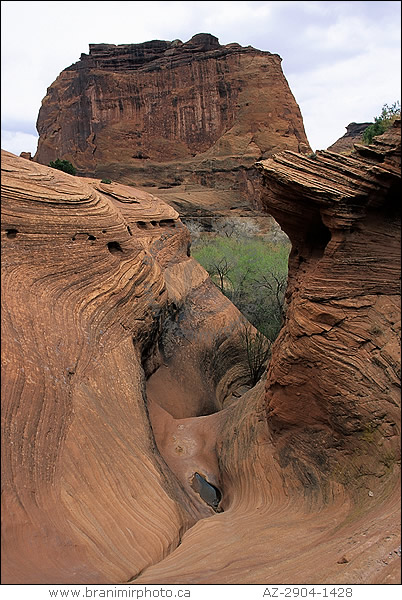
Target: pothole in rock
(208,492)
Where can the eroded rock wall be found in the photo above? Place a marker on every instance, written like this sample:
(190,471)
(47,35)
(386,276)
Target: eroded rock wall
(106,322)
(310,457)
(333,387)
(167,114)
(87,497)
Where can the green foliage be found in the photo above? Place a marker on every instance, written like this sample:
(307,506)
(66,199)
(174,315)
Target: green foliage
(63,165)
(252,273)
(106,181)
(383,122)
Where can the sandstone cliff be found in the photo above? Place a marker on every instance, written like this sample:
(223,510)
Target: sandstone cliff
(171,115)
(123,377)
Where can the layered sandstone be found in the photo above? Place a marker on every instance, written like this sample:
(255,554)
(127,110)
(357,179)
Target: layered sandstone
(124,377)
(311,459)
(97,289)
(178,116)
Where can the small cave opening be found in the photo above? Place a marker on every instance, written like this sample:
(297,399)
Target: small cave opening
(142,224)
(317,237)
(207,491)
(114,247)
(167,223)
(82,235)
(11,233)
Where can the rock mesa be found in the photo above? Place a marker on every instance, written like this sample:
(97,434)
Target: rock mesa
(171,115)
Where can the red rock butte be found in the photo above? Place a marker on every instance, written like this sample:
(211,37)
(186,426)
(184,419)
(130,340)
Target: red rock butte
(184,118)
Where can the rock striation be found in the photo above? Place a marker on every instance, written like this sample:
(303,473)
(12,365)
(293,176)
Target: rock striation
(342,215)
(97,290)
(171,115)
(311,457)
(132,453)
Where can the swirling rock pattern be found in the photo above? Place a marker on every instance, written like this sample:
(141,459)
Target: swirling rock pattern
(309,459)
(87,497)
(120,359)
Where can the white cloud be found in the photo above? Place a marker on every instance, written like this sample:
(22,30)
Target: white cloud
(17,142)
(354,89)
(342,59)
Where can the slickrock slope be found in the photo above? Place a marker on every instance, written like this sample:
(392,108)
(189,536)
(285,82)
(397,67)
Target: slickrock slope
(353,135)
(314,497)
(171,115)
(94,278)
(104,437)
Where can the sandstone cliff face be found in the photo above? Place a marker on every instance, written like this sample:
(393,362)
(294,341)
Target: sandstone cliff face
(123,375)
(335,380)
(167,113)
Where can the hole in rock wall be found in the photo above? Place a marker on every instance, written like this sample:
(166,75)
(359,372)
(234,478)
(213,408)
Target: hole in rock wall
(81,235)
(114,247)
(167,223)
(247,259)
(11,233)
(317,237)
(208,492)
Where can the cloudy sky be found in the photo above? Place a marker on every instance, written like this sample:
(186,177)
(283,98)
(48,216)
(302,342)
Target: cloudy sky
(341,59)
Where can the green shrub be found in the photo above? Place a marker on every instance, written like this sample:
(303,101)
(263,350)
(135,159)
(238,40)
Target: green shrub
(383,122)
(63,165)
(106,181)
(252,273)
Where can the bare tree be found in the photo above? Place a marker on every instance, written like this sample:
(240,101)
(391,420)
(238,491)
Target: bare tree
(258,351)
(238,227)
(221,268)
(276,284)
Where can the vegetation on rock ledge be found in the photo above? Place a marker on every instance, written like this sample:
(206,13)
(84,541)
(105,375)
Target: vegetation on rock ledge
(63,165)
(383,122)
